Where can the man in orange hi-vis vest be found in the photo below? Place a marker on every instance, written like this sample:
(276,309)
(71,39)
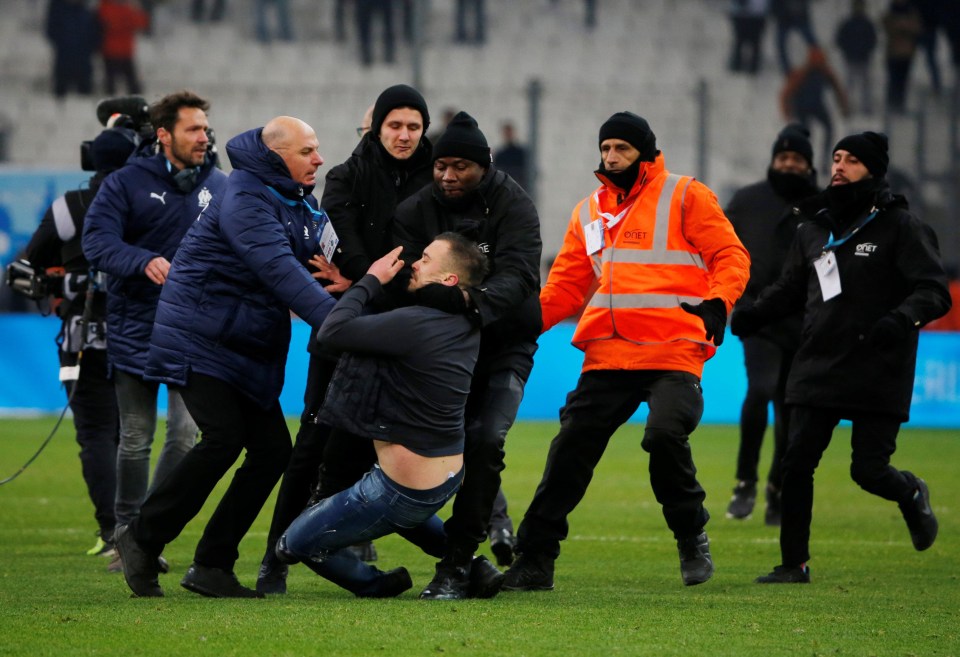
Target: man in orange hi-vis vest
(656,266)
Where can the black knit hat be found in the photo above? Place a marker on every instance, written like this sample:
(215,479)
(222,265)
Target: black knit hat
(634,130)
(796,138)
(868,147)
(399,95)
(462,138)
(112,147)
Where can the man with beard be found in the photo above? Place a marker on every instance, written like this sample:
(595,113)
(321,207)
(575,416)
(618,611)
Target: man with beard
(867,275)
(763,216)
(132,230)
(655,266)
(471,197)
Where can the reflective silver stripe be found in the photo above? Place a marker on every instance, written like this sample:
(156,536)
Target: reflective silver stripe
(641,301)
(63,220)
(641,257)
(585,219)
(662,226)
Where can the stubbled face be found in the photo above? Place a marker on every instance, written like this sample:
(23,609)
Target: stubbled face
(847,169)
(790,162)
(186,145)
(617,155)
(401,131)
(432,266)
(456,177)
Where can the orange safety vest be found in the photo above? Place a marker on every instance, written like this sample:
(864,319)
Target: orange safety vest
(645,269)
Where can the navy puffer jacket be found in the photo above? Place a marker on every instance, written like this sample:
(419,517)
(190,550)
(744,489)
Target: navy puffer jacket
(225,308)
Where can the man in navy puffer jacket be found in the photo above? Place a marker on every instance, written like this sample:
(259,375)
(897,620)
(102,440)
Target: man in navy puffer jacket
(221,336)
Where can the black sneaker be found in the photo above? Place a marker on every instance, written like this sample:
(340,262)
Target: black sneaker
(272,577)
(741,504)
(392,583)
(786,575)
(364,551)
(452,582)
(772,515)
(502,544)
(485,579)
(215,583)
(918,513)
(696,566)
(139,567)
(530,572)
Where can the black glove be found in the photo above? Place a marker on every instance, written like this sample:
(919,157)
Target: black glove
(890,330)
(448,298)
(745,321)
(713,312)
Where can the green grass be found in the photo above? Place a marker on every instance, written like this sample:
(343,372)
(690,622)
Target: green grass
(618,589)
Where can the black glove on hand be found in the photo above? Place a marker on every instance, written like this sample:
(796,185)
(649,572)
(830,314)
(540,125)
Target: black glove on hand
(713,312)
(745,321)
(890,330)
(448,298)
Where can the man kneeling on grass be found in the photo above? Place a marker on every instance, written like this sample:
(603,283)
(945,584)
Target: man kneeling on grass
(403,383)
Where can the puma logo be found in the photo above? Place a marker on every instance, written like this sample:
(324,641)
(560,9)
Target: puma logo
(159,197)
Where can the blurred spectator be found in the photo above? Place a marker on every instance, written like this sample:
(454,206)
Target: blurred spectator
(803,97)
(445,117)
(511,157)
(749,18)
(74,33)
(478,34)
(282,11)
(366,11)
(121,20)
(198,11)
(903,26)
(791,15)
(589,13)
(929,14)
(857,39)
(340,20)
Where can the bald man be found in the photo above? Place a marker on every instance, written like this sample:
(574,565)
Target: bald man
(221,336)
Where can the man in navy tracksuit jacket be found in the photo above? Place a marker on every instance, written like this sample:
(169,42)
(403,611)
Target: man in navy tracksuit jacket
(221,337)
(132,230)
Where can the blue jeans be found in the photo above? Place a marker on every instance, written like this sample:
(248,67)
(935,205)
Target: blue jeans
(373,507)
(137,402)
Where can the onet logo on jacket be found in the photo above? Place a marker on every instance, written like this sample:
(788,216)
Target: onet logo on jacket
(866,248)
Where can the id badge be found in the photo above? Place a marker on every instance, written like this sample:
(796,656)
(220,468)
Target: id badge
(593,232)
(828,274)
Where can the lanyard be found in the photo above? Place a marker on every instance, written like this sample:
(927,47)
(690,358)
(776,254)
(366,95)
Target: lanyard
(832,244)
(317,216)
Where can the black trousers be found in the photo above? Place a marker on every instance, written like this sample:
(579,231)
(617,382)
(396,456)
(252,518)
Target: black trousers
(121,69)
(603,401)
(874,440)
(768,366)
(229,423)
(96,420)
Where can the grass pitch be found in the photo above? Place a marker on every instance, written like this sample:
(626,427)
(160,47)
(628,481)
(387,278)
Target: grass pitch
(618,588)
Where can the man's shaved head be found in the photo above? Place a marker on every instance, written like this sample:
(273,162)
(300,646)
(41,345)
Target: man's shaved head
(296,142)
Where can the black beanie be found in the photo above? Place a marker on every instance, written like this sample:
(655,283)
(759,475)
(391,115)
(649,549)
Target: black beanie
(399,95)
(868,147)
(796,138)
(634,130)
(112,147)
(462,138)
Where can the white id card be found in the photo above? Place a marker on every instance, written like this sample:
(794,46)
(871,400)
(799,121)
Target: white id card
(829,275)
(593,232)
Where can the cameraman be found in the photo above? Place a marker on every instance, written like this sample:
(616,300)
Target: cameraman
(56,243)
(133,228)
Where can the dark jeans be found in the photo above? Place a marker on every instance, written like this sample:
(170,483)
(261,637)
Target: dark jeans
(121,69)
(97,422)
(874,440)
(229,423)
(747,37)
(898,76)
(767,366)
(366,9)
(804,28)
(603,401)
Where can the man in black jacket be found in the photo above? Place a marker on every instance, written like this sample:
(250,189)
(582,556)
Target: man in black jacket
(473,198)
(867,274)
(763,216)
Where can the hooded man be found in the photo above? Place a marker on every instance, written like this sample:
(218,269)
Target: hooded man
(655,265)
(867,274)
(763,216)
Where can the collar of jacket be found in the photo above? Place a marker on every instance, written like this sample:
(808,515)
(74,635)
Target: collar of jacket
(648,171)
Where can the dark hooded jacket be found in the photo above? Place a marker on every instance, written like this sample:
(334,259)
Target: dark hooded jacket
(502,219)
(890,265)
(139,214)
(225,308)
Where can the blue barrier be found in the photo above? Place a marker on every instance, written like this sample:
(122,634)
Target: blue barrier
(28,374)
